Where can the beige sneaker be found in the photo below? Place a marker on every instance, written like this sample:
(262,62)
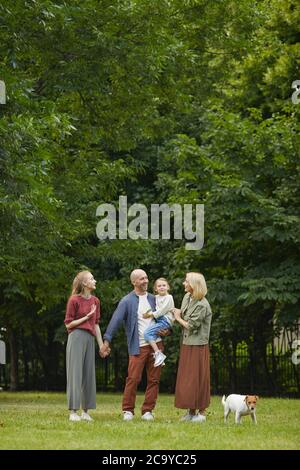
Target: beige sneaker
(74,417)
(187,417)
(159,359)
(86,417)
(198,418)
(148,416)
(127,415)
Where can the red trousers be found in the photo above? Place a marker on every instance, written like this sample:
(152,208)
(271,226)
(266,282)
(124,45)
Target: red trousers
(135,369)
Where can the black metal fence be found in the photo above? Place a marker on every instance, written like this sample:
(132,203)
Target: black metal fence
(276,376)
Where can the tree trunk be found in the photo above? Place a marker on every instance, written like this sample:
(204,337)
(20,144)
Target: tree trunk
(43,381)
(25,363)
(13,360)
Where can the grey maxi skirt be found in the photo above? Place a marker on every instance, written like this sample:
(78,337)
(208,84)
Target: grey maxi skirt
(81,377)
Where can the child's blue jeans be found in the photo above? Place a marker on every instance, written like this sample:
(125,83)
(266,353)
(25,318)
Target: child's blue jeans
(151,333)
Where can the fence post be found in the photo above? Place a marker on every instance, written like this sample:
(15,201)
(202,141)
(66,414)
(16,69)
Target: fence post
(2,92)
(2,362)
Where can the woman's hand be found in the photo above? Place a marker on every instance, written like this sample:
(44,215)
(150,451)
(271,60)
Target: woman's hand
(177,313)
(81,320)
(104,351)
(91,313)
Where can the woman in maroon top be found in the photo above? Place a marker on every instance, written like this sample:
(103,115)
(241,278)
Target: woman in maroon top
(82,322)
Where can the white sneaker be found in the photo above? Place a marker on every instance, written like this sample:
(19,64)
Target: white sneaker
(86,417)
(74,417)
(148,416)
(187,417)
(198,419)
(127,415)
(159,359)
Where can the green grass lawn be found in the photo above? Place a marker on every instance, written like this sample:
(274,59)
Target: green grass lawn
(40,421)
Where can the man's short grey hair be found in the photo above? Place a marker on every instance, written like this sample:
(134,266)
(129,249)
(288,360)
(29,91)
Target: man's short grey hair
(135,273)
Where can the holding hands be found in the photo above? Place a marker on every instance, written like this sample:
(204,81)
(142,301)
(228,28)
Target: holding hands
(104,351)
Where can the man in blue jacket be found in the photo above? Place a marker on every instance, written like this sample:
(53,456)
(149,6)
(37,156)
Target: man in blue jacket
(130,311)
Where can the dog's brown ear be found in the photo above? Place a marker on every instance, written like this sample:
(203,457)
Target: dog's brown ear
(257,397)
(246,398)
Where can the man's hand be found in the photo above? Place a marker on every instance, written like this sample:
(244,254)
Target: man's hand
(104,354)
(148,314)
(164,332)
(104,350)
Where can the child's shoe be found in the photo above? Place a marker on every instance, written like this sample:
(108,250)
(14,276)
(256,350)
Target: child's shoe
(159,358)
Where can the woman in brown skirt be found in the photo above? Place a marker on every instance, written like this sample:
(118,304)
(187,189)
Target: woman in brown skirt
(193,376)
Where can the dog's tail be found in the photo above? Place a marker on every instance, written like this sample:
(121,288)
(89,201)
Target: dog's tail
(223,400)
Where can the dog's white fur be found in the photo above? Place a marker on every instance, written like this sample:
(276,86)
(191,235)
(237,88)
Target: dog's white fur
(241,405)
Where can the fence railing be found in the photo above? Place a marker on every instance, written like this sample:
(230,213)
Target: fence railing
(276,376)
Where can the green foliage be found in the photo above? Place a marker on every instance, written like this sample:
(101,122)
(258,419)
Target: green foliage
(179,102)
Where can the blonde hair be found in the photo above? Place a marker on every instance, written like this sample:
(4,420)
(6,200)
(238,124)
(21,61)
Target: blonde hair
(78,283)
(160,279)
(198,284)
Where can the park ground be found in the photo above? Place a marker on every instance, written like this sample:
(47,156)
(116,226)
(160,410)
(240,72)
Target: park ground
(34,420)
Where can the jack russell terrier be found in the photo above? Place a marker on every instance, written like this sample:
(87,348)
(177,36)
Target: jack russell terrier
(241,405)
